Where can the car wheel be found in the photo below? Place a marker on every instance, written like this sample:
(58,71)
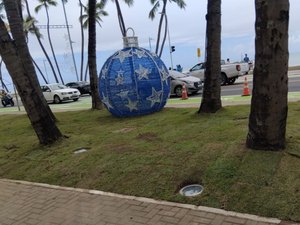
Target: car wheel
(75,99)
(231,81)
(56,99)
(178,91)
(223,79)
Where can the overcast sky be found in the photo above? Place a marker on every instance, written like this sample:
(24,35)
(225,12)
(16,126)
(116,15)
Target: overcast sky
(187,31)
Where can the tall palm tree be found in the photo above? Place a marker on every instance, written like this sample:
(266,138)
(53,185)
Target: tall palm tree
(27,26)
(69,36)
(15,54)
(83,19)
(267,121)
(38,35)
(120,15)
(46,4)
(211,99)
(163,19)
(96,102)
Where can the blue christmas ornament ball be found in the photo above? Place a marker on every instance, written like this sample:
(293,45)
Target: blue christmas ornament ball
(133,82)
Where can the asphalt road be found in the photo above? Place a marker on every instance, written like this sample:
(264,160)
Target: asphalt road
(237,87)
(228,90)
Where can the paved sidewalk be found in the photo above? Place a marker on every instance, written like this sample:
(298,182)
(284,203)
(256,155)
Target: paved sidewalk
(31,203)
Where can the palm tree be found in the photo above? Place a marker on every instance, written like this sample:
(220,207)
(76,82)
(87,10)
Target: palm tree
(120,15)
(211,99)
(69,35)
(83,19)
(267,121)
(46,4)
(15,54)
(27,26)
(96,102)
(163,19)
(38,35)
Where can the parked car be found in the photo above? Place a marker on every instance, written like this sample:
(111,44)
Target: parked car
(229,72)
(57,93)
(193,84)
(83,86)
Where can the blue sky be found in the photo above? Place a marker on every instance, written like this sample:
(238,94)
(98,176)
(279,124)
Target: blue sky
(187,32)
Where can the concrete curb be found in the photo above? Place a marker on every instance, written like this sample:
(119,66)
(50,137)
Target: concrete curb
(148,200)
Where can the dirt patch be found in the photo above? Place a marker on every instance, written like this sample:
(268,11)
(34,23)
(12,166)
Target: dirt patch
(148,137)
(124,130)
(119,148)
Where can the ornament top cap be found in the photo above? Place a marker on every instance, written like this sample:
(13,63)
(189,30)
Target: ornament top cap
(131,41)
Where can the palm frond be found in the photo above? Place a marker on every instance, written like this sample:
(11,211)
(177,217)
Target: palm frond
(38,8)
(129,2)
(154,10)
(181,3)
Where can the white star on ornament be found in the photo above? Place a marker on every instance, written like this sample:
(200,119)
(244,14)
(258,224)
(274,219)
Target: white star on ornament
(154,55)
(142,72)
(140,53)
(122,55)
(132,105)
(164,74)
(123,94)
(104,73)
(155,97)
(105,101)
(120,78)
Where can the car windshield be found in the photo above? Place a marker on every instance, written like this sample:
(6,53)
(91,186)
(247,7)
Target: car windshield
(82,82)
(57,86)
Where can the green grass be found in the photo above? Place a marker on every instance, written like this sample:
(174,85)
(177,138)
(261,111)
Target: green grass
(155,155)
(294,68)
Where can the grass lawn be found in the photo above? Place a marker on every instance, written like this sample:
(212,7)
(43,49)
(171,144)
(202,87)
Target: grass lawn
(155,155)
(294,68)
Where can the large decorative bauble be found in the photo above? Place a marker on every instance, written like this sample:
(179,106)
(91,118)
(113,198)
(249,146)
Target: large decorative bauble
(133,82)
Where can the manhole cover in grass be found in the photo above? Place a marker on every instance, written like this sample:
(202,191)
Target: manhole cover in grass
(81,150)
(191,190)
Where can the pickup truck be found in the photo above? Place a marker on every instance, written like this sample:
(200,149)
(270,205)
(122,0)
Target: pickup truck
(229,72)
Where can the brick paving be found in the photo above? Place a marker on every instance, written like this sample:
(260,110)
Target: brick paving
(28,203)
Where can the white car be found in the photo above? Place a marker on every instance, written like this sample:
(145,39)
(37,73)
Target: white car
(57,93)
(193,84)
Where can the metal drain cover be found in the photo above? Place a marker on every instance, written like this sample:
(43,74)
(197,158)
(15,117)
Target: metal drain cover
(191,190)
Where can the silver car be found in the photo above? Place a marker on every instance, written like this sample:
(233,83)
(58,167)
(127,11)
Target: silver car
(193,84)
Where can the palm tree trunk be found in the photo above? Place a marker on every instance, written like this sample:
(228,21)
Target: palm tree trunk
(70,40)
(86,71)
(267,121)
(51,46)
(162,16)
(82,41)
(37,66)
(96,102)
(165,36)
(120,18)
(211,99)
(18,62)
(41,44)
